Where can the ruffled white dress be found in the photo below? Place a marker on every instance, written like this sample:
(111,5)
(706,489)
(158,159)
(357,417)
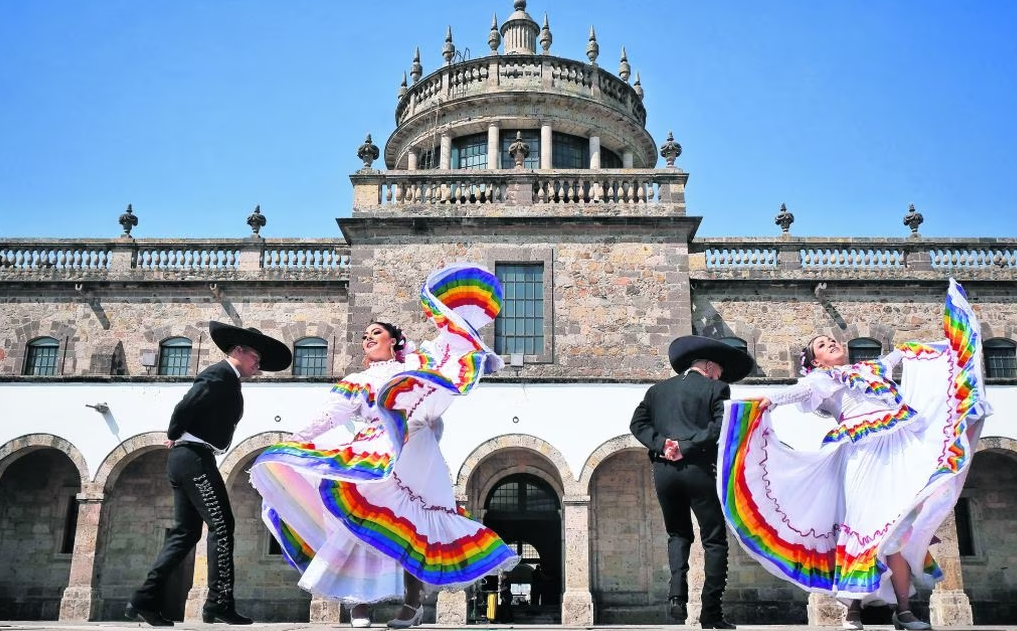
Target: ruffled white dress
(363,493)
(883,479)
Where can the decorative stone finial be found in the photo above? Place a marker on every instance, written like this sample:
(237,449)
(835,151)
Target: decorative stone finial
(416,70)
(545,36)
(494,37)
(448,51)
(624,70)
(638,87)
(402,86)
(256,221)
(128,220)
(519,5)
(592,47)
(913,219)
(519,149)
(784,219)
(368,152)
(670,150)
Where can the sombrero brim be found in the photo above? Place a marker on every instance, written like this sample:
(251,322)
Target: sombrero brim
(736,363)
(274,354)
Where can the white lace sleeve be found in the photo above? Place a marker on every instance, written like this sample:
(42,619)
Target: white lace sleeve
(801,391)
(338,411)
(810,393)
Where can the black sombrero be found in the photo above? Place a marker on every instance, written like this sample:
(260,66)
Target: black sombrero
(274,354)
(736,363)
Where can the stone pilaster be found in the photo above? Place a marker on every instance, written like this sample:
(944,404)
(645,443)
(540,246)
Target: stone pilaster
(493,146)
(324,610)
(824,611)
(451,608)
(80,600)
(199,586)
(594,152)
(445,160)
(546,146)
(577,602)
(949,605)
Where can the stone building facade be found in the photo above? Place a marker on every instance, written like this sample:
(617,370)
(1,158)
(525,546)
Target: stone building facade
(530,164)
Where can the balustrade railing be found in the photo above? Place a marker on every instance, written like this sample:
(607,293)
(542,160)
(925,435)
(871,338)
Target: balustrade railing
(519,187)
(856,254)
(103,256)
(540,73)
(46,256)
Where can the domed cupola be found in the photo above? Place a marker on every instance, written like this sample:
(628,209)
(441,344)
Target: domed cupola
(571,113)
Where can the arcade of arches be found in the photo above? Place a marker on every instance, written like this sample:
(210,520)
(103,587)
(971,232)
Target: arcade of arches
(74,548)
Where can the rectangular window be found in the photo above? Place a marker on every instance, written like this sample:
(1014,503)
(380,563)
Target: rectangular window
(274,549)
(70,525)
(41,360)
(532,138)
(309,361)
(519,327)
(174,360)
(1000,362)
(470,152)
(965,535)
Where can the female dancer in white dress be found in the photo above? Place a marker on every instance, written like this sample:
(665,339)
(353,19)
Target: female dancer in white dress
(855,517)
(361,499)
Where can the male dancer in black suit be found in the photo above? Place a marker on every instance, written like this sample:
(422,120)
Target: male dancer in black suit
(201,427)
(679,421)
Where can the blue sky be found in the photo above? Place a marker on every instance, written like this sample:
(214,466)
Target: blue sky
(195,111)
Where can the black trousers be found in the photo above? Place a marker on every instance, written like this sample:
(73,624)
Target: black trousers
(199,496)
(684,488)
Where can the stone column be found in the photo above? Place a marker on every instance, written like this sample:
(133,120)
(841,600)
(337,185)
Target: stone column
(411,160)
(493,142)
(949,605)
(545,147)
(324,610)
(594,152)
(198,593)
(627,159)
(450,610)
(81,598)
(577,602)
(446,152)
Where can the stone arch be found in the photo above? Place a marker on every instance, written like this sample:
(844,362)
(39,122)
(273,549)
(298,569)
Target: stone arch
(545,449)
(124,453)
(1000,444)
(64,334)
(231,467)
(23,445)
(607,449)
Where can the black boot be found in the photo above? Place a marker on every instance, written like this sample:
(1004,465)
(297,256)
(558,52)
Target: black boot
(677,610)
(228,615)
(153,618)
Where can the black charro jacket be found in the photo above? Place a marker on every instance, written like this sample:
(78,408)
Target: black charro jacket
(212,407)
(688,408)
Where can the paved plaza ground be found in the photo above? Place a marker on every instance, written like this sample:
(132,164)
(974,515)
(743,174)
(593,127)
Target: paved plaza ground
(291,626)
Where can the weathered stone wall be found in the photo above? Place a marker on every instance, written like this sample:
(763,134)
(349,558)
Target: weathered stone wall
(138,512)
(615,301)
(266,587)
(990,575)
(630,563)
(126,321)
(35,491)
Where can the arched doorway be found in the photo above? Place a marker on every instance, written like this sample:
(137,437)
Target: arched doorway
(525,511)
(38,522)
